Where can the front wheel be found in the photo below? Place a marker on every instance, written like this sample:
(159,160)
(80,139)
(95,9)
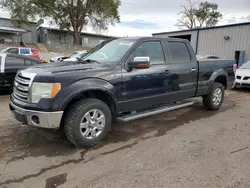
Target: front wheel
(87,122)
(215,97)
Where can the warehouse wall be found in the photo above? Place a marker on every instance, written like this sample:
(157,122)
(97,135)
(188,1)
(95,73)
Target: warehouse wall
(211,41)
(29,37)
(192,33)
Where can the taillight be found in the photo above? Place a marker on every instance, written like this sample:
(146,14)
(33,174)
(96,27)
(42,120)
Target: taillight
(234,67)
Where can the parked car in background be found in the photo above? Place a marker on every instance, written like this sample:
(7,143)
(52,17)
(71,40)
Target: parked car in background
(10,64)
(242,76)
(81,56)
(123,79)
(70,56)
(32,52)
(75,57)
(206,57)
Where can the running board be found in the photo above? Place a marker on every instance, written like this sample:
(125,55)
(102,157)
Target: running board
(154,111)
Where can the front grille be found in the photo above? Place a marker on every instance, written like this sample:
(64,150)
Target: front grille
(246,78)
(21,87)
(245,85)
(238,77)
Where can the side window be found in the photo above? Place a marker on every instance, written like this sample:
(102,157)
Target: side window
(24,51)
(14,62)
(151,49)
(12,50)
(179,52)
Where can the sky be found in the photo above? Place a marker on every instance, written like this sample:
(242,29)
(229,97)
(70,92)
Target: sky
(144,17)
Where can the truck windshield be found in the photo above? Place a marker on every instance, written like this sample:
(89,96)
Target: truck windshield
(113,51)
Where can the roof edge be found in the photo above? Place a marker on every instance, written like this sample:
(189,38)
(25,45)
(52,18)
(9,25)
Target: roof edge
(203,28)
(87,33)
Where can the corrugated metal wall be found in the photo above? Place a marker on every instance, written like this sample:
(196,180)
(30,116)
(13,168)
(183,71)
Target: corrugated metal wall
(211,41)
(192,33)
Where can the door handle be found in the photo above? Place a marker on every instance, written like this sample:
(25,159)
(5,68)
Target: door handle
(166,71)
(193,69)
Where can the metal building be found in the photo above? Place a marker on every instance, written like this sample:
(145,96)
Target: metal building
(10,34)
(57,37)
(227,41)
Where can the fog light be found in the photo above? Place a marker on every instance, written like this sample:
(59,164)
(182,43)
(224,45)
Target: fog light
(35,119)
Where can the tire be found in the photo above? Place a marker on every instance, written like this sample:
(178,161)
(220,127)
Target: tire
(210,101)
(92,131)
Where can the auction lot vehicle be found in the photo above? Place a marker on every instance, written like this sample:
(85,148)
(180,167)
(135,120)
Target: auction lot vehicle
(125,79)
(10,64)
(242,76)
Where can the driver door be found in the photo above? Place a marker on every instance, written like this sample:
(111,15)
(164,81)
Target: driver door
(143,88)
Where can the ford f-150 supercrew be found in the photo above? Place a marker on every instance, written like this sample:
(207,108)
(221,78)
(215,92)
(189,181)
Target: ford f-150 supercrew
(125,79)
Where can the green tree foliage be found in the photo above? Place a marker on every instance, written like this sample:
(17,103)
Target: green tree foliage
(71,15)
(196,15)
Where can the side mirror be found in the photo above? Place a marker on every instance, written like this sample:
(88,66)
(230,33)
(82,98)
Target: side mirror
(139,63)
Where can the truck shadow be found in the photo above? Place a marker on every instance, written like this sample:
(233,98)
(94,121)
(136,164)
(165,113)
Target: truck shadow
(37,142)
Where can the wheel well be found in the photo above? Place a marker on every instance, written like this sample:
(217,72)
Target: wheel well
(222,80)
(97,94)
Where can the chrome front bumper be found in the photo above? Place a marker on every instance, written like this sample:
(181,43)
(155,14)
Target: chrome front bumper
(40,119)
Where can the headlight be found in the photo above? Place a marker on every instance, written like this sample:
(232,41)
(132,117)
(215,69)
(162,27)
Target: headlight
(44,90)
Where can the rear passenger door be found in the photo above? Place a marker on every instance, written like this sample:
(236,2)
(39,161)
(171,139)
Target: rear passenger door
(12,65)
(184,70)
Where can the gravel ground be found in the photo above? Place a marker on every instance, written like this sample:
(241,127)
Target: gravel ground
(186,148)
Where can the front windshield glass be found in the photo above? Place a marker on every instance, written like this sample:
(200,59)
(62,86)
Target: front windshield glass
(245,65)
(112,51)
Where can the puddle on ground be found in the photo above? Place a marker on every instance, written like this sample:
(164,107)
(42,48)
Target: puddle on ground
(55,181)
(38,142)
(122,132)
(161,123)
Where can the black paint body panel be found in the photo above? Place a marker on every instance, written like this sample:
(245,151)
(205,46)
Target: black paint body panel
(130,89)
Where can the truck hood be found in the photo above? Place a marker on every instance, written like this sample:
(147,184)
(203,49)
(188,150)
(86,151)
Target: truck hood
(61,67)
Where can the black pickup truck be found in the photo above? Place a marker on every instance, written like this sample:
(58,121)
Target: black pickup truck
(125,79)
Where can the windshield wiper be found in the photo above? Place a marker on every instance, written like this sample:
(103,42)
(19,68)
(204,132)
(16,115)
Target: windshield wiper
(89,61)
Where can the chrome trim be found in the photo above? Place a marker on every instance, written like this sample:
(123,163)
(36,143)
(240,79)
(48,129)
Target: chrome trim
(2,68)
(19,93)
(49,120)
(154,111)
(23,82)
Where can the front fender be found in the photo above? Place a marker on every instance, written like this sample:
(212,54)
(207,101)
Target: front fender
(67,94)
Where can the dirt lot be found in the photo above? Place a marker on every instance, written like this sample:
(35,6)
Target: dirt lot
(186,148)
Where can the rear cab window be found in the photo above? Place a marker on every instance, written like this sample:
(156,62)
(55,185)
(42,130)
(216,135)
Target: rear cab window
(12,50)
(179,52)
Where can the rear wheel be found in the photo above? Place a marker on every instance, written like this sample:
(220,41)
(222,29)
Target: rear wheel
(87,122)
(215,97)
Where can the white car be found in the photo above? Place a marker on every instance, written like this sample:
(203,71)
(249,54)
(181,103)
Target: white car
(242,76)
(71,56)
(76,57)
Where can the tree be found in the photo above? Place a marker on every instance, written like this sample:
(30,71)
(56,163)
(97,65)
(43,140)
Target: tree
(196,15)
(71,15)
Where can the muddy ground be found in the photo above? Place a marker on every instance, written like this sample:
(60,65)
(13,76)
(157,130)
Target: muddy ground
(185,148)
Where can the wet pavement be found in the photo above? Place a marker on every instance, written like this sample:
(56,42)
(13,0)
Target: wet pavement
(190,146)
